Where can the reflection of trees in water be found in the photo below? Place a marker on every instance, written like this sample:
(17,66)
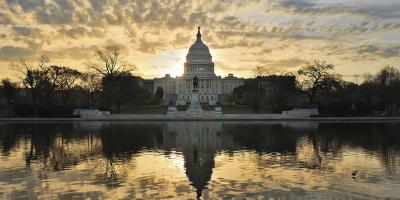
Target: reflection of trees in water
(29,156)
(262,138)
(380,139)
(60,146)
(281,144)
(310,155)
(390,148)
(110,176)
(315,147)
(62,156)
(125,139)
(122,140)
(54,147)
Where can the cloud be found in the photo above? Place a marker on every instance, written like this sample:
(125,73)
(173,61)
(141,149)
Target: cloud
(380,51)
(27,31)
(74,52)
(230,68)
(10,53)
(384,9)
(282,63)
(5,19)
(181,40)
(150,46)
(235,44)
(80,31)
(282,33)
(363,52)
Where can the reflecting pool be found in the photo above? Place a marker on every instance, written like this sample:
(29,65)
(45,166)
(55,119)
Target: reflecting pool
(206,160)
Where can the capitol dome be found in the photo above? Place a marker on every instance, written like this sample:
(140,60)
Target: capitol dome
(199,46)
(199,51)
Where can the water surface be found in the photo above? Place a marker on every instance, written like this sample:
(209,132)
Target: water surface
(208,160)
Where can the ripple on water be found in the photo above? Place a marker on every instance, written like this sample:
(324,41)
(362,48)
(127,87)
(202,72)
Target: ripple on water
(218,160)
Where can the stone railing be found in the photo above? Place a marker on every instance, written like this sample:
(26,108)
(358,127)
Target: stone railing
(301,112)
(87,113)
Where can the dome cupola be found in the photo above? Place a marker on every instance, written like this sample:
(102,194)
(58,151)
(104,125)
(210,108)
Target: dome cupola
(199,59)
(199,51)
(199,46)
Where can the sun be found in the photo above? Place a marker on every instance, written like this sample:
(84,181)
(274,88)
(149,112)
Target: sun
(176,62)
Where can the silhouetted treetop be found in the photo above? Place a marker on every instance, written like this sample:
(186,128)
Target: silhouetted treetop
(109,62)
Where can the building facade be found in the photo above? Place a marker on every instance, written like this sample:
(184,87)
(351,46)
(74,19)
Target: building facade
(198,63)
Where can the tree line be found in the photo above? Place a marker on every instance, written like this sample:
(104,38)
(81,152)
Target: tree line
(317,85)
(45,89)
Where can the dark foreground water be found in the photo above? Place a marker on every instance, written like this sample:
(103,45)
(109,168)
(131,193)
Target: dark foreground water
(208,160)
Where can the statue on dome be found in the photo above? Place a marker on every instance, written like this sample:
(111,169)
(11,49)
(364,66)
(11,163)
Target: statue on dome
(198,33)
(195,83)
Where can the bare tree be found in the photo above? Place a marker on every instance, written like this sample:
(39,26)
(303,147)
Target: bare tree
(10,90)
(315,77)
(356,78)
(91,85)
(32,77)
(64,80)
(160,94)
(260,71)
(388,81)
(121,89)
(367,77)
(110,62)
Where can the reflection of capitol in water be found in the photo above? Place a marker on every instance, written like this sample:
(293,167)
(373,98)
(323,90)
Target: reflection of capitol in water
(127,151)
(308,144)
(200,142)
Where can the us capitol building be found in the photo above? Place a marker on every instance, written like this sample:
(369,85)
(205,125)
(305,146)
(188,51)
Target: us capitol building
(212,88)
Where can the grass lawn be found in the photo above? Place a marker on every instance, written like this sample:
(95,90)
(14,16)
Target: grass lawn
(237,109)
(142,109)
(153,109)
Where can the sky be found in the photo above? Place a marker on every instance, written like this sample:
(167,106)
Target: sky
(357,36)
